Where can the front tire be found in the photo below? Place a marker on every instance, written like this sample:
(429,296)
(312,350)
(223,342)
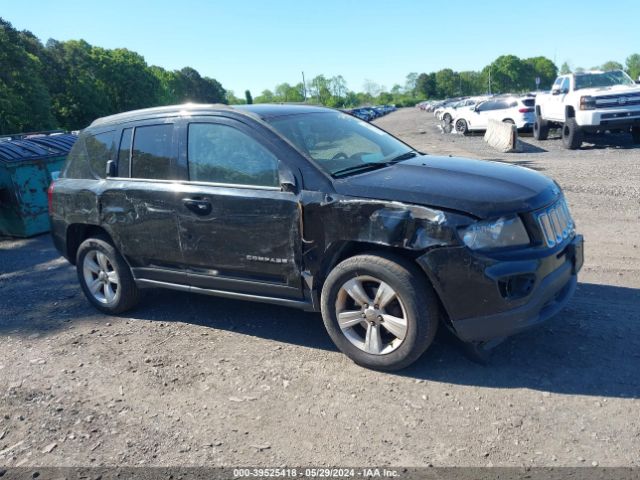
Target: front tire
(571,134)
(105,277)
(540,129)
(380,311)
(635,134)
(446,118)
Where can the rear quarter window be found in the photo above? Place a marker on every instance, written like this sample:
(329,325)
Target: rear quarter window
(77,165)
(99,151)
(89,155)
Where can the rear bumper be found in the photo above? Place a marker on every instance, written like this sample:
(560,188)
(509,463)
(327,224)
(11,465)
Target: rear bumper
(481,308)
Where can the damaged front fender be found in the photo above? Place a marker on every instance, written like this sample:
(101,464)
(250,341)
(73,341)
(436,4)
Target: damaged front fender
(330,219)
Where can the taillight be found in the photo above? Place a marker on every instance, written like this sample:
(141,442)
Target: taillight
(525,110)
(50,197)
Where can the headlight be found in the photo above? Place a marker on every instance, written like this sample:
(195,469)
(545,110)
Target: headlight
(587,103)
(503,232)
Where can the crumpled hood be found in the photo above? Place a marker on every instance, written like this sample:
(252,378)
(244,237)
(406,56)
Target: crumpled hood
(484,189)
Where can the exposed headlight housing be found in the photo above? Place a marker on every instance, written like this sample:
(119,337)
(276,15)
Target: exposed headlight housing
(503,232)
(587,102)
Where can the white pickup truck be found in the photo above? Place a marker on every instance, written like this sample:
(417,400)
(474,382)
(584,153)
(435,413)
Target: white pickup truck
(590,102)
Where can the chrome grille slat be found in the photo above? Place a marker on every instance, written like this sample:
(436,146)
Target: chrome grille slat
(555,223)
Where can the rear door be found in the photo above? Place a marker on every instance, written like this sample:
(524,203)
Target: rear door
(239,231)
(140,205)
(479,117)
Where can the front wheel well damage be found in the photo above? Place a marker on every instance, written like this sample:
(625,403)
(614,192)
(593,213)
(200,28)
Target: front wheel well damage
(344,250)
(78,233)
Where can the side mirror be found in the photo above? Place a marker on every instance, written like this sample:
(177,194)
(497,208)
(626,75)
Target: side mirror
(287,179)
(112,169)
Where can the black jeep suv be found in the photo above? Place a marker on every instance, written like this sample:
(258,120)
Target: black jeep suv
(312,208)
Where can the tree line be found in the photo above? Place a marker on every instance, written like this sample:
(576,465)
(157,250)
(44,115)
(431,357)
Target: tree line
(506,74)
(69,84)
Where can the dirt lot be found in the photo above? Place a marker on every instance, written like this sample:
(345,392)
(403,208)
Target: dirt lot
(190,380)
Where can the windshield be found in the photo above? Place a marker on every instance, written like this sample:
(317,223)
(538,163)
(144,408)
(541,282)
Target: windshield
(339,143)
(605,79)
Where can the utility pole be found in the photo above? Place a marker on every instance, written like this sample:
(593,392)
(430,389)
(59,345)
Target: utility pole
(489,80)
(304,88)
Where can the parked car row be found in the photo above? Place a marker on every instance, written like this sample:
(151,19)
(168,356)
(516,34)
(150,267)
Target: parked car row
(473,113)
(371,113)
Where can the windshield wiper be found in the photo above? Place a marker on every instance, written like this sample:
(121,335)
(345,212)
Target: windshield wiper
(361,167)
(375,165)
(404,156)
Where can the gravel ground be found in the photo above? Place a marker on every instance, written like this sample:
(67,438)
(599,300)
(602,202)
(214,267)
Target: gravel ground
(190,380)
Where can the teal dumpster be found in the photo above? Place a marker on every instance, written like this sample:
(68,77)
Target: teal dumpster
(26,169)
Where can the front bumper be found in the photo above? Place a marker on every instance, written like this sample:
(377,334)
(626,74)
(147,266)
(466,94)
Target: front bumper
(487,298)
(604,118)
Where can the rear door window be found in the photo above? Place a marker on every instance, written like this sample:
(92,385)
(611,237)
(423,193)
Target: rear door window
(487,106)
(152,153)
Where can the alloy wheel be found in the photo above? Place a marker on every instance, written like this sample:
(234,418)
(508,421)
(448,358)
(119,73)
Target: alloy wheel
(100,276)
(371,315)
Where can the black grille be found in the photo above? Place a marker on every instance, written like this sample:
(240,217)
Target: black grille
(622,100)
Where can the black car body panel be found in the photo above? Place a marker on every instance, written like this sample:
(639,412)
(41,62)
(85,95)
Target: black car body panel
(277,244)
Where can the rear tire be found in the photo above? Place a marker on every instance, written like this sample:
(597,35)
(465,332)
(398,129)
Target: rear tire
(388,311)
(540,129)
(105,277)
(571,134)
(635,134)
(461,126)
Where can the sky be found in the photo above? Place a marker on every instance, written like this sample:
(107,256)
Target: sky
(255,45)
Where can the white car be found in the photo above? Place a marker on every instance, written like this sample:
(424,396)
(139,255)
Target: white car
(515,110)
(451,112)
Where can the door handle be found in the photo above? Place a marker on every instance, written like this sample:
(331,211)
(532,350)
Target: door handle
(199,206)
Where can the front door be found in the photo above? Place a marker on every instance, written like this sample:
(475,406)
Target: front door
(239,231)
(556,101)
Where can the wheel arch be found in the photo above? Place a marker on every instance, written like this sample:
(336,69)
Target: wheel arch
(340,251)
(569,112)
(78,233)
